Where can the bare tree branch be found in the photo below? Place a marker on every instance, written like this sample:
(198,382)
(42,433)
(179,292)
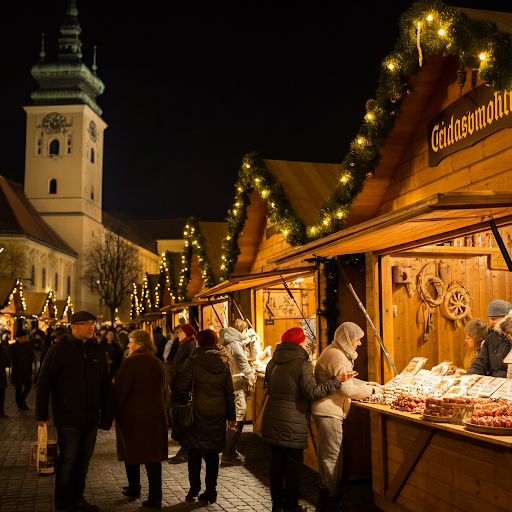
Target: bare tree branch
(12,261)
(112,265)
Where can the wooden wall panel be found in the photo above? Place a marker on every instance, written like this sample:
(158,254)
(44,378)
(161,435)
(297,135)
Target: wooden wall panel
(404,336)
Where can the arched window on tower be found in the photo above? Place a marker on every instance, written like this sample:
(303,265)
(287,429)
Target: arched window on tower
(52,188)
(68,287)
(38,146)
(56,287)
(33,275)
(54,147)
(92,194)
(92,155)
(69,145)
(43,280)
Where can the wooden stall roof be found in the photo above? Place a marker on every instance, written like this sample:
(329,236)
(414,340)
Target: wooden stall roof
(257,280)
(307,185)
(6,287)
(437,218)
(184,305)
(35,302)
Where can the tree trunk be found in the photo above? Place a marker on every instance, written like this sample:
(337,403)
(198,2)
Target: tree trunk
(112,315)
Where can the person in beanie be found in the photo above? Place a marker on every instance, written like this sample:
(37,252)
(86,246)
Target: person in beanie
(187,345)
(75,373)
(476,331)
(22,357)
(291,387)
(496,345)
(242,374)
(330,411)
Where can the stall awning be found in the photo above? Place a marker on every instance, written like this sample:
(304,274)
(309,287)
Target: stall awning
(257,280)
(184,305)
(437,218)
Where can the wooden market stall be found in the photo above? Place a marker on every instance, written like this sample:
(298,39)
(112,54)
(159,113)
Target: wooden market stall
(64,309)
(40,308)
(429,220)
(12,304)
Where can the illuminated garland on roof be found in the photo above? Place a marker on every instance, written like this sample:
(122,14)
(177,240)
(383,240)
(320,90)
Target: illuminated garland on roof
(18,287)
(428,28)
(194,242)
(134,299)
(165,279)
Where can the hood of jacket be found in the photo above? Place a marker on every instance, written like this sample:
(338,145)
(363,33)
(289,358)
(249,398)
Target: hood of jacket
(345,334)
(287,351)
(212,359)
(229,335)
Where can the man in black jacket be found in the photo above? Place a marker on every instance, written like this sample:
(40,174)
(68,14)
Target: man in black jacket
(22,357)
(496,346)
(75,372)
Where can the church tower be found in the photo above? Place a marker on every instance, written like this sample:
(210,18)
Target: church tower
(64,148)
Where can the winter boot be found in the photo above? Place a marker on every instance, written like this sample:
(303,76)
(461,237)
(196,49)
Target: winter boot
(321,502)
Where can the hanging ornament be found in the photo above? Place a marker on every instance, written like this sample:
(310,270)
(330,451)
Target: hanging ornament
(420,53)
(370,104)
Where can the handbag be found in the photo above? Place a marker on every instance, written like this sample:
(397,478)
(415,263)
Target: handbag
(46,453)
(257,426)
(183,415)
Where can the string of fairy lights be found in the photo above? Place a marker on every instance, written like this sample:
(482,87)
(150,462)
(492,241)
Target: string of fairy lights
(427,28)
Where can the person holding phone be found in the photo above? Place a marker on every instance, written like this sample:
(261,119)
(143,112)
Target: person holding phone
(330,411)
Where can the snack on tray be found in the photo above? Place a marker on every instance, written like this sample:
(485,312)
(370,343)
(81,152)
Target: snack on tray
(441,369)
(408,403)
(492,414)
(414,366)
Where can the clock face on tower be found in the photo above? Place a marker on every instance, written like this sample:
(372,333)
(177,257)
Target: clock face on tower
(54,123)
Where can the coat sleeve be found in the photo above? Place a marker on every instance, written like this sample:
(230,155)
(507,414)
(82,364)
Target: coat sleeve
(355,389)
(241,361)
(230,396)
(481,365)
(184,378)
(123,384)
(47,375)
(108,406)
(308,386)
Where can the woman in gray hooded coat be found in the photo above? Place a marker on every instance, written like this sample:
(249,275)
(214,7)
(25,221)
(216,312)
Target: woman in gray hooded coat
(242,373)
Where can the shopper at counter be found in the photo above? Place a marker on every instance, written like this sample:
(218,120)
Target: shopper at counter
(496,345)
(292,386)
(330,411)
(476,331)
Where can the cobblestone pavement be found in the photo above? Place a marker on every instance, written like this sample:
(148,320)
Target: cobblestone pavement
(239,488)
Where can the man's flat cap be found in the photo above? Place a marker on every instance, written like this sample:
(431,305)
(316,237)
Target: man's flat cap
(82,316)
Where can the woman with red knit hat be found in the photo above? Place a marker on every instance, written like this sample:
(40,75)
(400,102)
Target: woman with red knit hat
(291,387)
(186,338)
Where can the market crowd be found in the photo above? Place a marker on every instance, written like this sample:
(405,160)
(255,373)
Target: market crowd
(197,384)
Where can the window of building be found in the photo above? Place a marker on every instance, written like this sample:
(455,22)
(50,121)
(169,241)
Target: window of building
(33,275)
(43,280)
(54,147)
(68,287)
(56,287)
(52,189)
(39,146)
(92,155)
(69,145)
(92,194)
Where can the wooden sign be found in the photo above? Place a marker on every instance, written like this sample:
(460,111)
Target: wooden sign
(473,117)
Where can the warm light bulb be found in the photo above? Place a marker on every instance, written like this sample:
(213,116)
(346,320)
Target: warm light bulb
(234,212)
(239,189)
(340,214)
(359,141)
(391,66)
(369,117)
(312,230)
(344,179)
(441,32)
(430,17)
(285,232)
(237,204)
(247,166)
(482,56)
(257,180)
(326,222)
(228,238)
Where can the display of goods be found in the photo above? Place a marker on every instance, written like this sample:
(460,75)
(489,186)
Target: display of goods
(492,414)
(414,366)
(407,403)
(441,369)
(504,392)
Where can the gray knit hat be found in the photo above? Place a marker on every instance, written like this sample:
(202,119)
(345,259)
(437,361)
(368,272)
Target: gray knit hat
(476,329)
(498,308)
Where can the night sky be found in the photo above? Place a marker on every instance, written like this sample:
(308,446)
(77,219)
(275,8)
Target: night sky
(193,86)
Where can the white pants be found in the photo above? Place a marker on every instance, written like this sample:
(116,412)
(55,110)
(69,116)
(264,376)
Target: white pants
(330,453)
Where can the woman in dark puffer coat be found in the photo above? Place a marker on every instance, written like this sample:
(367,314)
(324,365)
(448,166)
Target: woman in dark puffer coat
(292,386)
(214,403)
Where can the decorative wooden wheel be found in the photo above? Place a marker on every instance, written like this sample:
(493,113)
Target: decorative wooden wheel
(457,304)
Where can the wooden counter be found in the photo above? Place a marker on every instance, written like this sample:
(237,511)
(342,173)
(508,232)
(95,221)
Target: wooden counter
(422,466)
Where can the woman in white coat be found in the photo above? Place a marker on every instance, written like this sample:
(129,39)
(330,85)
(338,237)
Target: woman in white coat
(329,412)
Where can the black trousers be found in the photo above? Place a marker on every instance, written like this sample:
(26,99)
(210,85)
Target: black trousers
(154,471)
(22,391)
(2,400)
(285,474)
(211,459)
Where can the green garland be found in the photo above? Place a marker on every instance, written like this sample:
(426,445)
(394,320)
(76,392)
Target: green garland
(194,242)
(442,30)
